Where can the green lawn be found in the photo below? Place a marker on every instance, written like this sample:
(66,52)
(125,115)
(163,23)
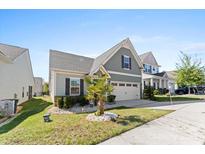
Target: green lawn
(28,127)
(164,98)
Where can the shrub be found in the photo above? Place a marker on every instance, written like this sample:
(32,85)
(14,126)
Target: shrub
(67,102)
(70,101)
(111,98)
(156,92)
(56,98)
(60,102)
(82,100)
(149,93)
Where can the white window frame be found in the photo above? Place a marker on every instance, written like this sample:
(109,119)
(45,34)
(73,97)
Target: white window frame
(74,87)
(125,56)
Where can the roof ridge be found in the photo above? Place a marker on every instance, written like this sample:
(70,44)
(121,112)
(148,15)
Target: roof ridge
(14,46)
(53,50)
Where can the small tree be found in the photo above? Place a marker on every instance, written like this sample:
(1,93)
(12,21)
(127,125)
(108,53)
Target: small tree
(45,89)
(189,72)
(98,89)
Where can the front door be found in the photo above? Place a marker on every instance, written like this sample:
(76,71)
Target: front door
(29,92)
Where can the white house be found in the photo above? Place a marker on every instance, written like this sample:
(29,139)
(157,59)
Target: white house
(38,86)
(151,75)
(16,75)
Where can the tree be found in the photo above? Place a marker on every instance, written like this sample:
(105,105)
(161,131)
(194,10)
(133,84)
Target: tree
(45,89)
(190,72)
(98,88)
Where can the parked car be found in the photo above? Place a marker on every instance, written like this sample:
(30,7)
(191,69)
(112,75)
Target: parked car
(185,90)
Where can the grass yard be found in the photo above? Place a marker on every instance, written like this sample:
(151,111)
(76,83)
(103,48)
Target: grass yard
(164,98)
(28,127)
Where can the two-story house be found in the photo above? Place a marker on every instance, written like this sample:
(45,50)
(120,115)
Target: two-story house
(121,63)
(151,75)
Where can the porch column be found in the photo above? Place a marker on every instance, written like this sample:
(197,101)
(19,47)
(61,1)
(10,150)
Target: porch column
(160,83)
(151,82)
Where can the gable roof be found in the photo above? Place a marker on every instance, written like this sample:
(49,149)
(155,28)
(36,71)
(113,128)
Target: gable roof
(172,75)
(161,74)
(71,62)
(11,52)
(103,58)
(148,58)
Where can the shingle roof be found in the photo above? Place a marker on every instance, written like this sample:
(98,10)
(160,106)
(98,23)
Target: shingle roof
(100,59)
(103,57)
(67,61)
(71,62)
(11,52)
(161,74)
(148,58)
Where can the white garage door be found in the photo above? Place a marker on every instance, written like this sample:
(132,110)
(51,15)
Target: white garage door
(126,90)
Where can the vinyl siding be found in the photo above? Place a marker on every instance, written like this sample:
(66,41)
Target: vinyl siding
(115,64)
(116,77)
(60,83)
(15,76)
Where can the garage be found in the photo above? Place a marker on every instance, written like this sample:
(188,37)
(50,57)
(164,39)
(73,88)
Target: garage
(126,90)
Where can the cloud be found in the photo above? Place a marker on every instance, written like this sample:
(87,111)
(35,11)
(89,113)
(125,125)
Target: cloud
(195,47)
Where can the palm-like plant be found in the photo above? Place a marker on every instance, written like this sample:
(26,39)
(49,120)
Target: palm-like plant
(98,89)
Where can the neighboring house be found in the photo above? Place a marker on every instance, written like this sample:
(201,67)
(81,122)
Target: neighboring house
(172,75)
(38,86)
(151,75)
(121,63)
(16,75)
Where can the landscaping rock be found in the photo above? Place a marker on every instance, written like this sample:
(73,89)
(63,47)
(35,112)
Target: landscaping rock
(107,116)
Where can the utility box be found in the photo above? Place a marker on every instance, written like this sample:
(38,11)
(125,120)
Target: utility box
(8,107)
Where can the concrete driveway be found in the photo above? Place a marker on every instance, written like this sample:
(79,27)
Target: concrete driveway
(184,126)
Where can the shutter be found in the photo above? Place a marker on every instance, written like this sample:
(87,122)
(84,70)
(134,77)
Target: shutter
(130,63)
(67,86)
(122,61)
(81,87)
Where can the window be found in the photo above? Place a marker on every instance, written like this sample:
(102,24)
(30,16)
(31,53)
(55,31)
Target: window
(147,68)
(135,85)
(126,62)
(74,86)
(121,84)
(128,85)
(114,84)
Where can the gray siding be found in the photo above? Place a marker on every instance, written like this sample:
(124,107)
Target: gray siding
(116,77)
(114,63)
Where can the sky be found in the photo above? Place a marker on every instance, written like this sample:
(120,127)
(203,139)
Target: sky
(92,32)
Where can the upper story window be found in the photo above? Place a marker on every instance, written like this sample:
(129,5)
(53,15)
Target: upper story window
(147,68)
(150,69)
(126,62)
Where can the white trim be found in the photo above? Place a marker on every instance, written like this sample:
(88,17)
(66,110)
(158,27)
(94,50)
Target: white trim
(67,71)
(126,44)
(74,86)
(105,71)
(126,74)
(129,62)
